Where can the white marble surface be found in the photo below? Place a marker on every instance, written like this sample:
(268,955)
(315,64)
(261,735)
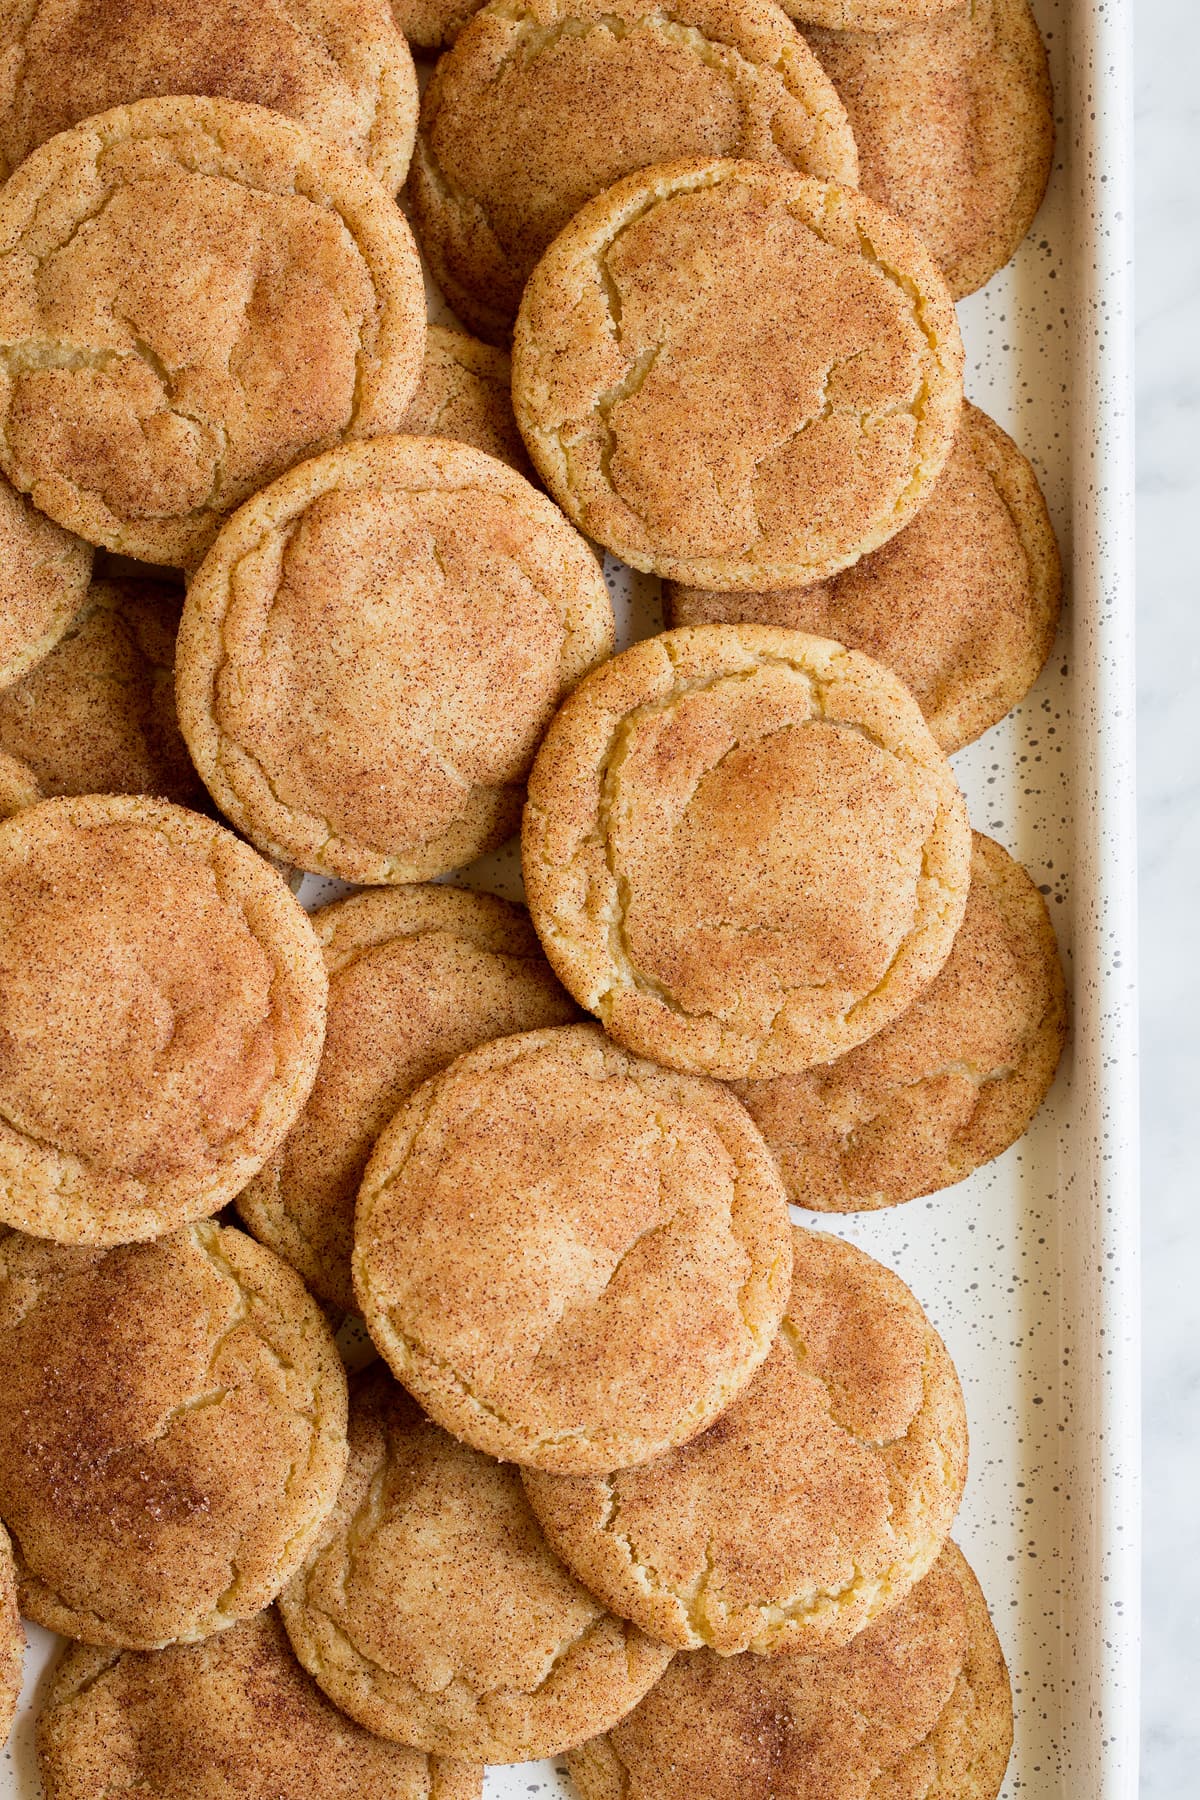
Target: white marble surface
(1168,350)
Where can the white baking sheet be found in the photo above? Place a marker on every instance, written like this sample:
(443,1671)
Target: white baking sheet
(1029,1269)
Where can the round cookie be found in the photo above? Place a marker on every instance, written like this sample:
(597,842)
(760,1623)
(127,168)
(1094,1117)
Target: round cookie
(573,1259)
(162,1008)
(947,1087)
(962,604)
(733,376)
(743,849)
(338,66)
(955,128)
(918,1704)
(194,294)
(44,575)
(866,15)
(416,976)
(372,650)
(172,1432)
(822,1495)
(97,714)
(12,1639)
(236,1715)
(465,392)
(433,1611)
(543,103)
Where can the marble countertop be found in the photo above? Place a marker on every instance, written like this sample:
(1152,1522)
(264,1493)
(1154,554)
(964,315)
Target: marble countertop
(1168,395)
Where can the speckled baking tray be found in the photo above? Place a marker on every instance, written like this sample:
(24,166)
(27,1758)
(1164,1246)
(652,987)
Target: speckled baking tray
(1029,1269)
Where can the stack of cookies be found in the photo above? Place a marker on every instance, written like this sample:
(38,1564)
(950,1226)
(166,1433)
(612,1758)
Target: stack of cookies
(637,1470)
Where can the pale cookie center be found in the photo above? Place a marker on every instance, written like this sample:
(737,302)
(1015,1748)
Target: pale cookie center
(405,652)
(184,343)
(135,1006)
(751,869)
(772,384)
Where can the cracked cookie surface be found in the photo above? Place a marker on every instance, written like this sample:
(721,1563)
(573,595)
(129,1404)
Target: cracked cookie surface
(194,295)
(947,1087)
(12,1639)
(731,375)
(918,1704)
(743,849)
(433,1611)
(573,1259)
(233,1715)
(416,976)
(962,604)
(814,1504)
(543,103)
(162,1007)
(44,575)
(372,650)
(172,1432)
(339,67)
(97,714)
(955,128)
(465,392)
(867,15)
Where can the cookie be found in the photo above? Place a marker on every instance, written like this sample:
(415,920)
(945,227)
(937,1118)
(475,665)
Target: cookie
(372,650)
(162,1007)
(743,849)
(917,1704)
(543,103)
(954,122)
(12,1639)
(572,1258)
(947,1087)
(44,575)
(338,66)
(416,976)
(172,1432)
(194,294)
(97,715)
(733,376)
(963,604)
(814,1504)
(433,1611)
(432,24)
(234,1715)
(866,15)
(465,392)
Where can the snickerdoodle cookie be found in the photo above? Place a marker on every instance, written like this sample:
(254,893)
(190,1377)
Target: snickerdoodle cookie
(955,127)
(866,15)
(372,650)
(416,976)
(572,1258)
(340,67)
(44,575)
(962,604)
(162,1007)
(543,103)
(952,1083)
(432,1610)
(812,1505)
(743,849)
(97,715)
(172,1431)
(431,24)
(918,1704)
(465,392)
(12,1638)
(234,1716)
(194,294)
(731,375)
